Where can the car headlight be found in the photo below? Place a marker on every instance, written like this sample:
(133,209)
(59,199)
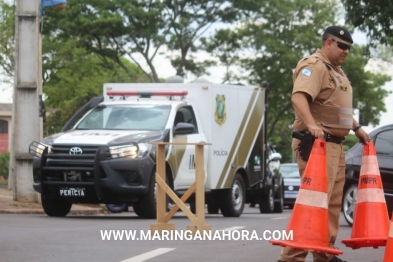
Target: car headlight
(132,150)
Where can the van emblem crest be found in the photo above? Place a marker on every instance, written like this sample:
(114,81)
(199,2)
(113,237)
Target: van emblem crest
(220,114)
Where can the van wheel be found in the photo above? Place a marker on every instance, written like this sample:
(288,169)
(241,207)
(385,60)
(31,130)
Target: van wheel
(279,202)
(55,207)
(213,208)
(117,208)
(267,203)
(233,201)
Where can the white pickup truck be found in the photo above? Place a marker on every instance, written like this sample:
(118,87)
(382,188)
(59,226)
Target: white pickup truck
(103,154)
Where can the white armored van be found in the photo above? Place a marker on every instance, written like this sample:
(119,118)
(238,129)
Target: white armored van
(103,154)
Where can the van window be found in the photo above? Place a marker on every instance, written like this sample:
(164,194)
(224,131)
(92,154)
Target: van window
(186,114)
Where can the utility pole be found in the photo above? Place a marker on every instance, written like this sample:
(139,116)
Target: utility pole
(26,122)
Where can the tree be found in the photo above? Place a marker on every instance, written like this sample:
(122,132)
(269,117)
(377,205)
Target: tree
(368,89)
(350,141)
(373,17)
(73,76)
(7,39)
(268,47)
(134,29)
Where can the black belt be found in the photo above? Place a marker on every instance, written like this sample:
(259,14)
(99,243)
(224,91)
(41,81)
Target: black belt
(333,139)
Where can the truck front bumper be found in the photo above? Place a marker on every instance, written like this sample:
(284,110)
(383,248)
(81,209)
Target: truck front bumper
(98,180)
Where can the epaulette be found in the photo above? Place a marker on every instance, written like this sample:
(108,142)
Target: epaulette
(311,59)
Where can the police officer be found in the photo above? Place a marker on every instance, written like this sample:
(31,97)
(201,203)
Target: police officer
(322,99)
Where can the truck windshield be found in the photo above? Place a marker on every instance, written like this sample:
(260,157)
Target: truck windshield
(126,117)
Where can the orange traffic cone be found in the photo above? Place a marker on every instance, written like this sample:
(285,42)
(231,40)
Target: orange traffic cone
(309,220)
(371,220)
(388,257)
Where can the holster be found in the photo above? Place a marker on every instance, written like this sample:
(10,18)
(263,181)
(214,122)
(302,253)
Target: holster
(305,146)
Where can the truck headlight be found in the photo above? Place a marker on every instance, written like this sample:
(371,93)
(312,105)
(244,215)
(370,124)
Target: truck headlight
(144,149)
(37,149)
(132,150)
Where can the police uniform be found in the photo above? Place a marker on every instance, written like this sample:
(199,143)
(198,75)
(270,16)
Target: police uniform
(331,108)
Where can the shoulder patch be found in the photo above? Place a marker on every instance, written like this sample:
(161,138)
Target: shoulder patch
(306,72)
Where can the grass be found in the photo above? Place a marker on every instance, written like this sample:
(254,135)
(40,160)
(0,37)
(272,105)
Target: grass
(3,182)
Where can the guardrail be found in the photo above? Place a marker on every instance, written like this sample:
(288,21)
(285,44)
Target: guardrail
(162,189)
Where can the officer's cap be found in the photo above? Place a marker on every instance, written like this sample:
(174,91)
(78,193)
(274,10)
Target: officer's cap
(339,32)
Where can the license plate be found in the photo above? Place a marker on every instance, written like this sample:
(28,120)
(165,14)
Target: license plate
(72,192)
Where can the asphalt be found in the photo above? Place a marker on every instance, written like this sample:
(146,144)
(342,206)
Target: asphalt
(10,206)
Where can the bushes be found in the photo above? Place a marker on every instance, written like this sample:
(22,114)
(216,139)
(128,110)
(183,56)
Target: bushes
(4,164)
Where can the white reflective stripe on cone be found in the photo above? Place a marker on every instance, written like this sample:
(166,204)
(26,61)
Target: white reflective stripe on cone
(312,198)
(391,230)
(370,195)
(369,165)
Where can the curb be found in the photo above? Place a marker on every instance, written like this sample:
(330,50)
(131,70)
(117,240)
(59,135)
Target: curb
(77,212)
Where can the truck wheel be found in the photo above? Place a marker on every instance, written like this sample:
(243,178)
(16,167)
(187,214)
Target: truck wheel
(267,203)
(146,205)
(232,204)
(55,207)
(213,208)
(279,202)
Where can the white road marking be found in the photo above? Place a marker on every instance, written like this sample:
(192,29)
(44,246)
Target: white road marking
(279,217)
(231,228)
(148,255)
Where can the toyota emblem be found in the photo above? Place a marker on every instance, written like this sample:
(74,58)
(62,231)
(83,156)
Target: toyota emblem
(75,151)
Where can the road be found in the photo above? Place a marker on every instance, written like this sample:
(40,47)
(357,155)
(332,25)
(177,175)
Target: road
(78,238)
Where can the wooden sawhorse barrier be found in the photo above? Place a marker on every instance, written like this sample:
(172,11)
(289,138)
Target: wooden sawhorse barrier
(162,189)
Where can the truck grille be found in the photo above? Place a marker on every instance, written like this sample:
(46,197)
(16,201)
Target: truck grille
(72,165)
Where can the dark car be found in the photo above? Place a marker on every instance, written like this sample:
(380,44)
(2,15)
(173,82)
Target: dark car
(383,140)
(291,176)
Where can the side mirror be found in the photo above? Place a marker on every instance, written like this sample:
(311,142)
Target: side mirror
(184,129)
(275,157)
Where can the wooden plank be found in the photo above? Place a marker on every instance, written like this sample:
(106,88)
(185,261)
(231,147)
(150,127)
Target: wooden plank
(179,143)
(183,198)
(160,194)
(200,186)
(176,199)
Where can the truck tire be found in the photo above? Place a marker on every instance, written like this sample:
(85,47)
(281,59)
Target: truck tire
(233,200)
(279,202)
(55,207)
(267,203)
(212,208)
(146,205)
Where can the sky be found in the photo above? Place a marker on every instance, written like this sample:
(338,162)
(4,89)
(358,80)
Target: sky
(164,69)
